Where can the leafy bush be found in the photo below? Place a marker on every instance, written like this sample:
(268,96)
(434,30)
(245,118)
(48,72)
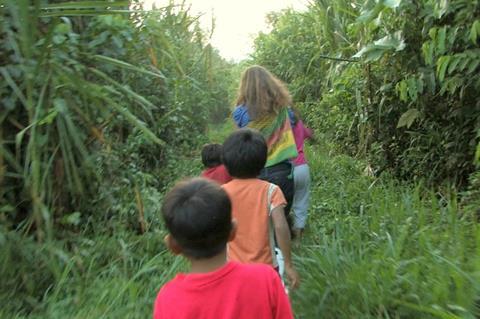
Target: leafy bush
(97,102)
(124,85)
(397,80)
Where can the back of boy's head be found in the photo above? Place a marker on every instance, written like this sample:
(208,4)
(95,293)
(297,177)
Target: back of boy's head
(212,155)
(244,153)
(197,213)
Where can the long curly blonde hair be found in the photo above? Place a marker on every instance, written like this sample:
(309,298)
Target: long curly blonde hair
(262,93)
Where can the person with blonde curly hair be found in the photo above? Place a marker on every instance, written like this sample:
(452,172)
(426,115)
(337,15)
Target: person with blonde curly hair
(263,104)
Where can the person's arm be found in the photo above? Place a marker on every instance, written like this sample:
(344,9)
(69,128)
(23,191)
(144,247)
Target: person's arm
(307,132)
(282,234)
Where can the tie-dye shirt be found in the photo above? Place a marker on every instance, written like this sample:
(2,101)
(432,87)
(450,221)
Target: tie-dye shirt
(277,131)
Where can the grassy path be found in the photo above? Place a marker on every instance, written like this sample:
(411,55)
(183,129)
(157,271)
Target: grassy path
(372,249)
(378,249)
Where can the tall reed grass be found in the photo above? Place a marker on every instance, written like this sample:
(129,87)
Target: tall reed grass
(379,249)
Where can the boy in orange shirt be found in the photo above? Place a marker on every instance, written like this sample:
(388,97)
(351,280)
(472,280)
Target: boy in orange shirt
(257,205)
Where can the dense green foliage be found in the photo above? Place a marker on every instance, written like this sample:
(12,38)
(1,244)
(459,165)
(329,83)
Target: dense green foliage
(373,249)
(95,96)
(85,96)
(396,81)
(104,106)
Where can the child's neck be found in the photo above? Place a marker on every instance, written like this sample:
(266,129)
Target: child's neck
(208,264)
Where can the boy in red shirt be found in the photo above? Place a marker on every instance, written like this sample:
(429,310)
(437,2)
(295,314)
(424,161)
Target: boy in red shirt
(197,214)
(212,160)
(257,205)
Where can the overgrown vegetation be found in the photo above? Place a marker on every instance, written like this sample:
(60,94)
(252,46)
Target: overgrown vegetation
(104,106)
(377,248)
(96,95)
(395,81)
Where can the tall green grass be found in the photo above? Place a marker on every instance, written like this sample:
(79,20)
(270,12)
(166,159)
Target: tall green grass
(104,277)
(374,248)
(379,249)
(98,273)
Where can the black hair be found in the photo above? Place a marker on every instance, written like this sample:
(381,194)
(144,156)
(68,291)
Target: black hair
(212,155)
(197,213)
(244,153)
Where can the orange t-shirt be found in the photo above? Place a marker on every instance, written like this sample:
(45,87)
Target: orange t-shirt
(252,203)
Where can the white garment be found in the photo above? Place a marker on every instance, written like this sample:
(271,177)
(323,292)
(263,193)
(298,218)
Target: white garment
(301,197)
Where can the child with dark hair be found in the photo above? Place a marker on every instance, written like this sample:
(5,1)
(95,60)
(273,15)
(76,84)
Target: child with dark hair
(212,160)
(197,214)
(257,205)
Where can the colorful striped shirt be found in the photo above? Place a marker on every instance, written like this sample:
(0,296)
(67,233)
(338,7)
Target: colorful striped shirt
(277,131)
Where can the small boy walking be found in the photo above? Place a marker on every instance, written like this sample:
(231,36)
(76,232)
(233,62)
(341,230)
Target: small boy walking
(257,205)
(212,160)
(197,214)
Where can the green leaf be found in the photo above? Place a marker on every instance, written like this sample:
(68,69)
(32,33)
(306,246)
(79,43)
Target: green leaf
(392,41)
(81,13)
(71,219)
(412,88)
(441,7)
(402,90)
(13,86)
(420,85)
(475,31)
(464,62)
(429,310)
(451,85)
(367,16)
(442,34)
(373,52)
(125,112)
(63,28)
(408,118)
(10,158)
(129,66)
(85,5)
(453,65)
(477,155)
(430,81)
(392,3)
(59,39)
(427,50)
(48,119)
(442,65)
(60,105)
(473,65)
(99,39)
(374,55)
(126,90)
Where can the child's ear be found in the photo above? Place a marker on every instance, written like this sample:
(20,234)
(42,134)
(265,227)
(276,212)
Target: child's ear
(172,245)
(233,231)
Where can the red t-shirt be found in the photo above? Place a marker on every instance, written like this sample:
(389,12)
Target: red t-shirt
(235,291)
(218,173)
